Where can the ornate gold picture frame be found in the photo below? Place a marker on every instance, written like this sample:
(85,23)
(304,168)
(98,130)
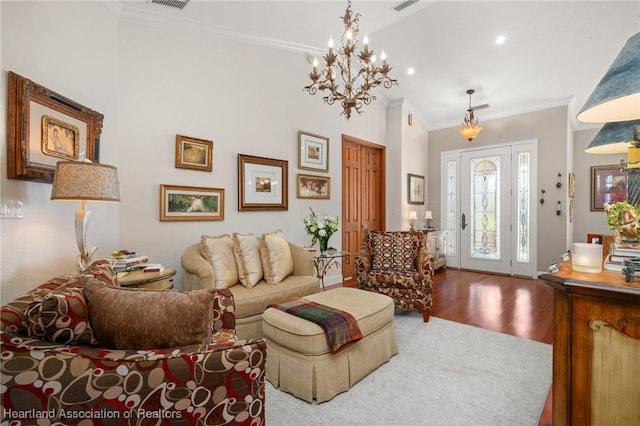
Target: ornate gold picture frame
(34,112)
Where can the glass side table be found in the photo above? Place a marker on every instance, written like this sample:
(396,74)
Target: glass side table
(324,261)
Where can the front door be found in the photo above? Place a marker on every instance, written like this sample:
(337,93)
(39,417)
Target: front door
(487,208)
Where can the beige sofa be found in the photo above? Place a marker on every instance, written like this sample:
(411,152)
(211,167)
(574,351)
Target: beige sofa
(252,302)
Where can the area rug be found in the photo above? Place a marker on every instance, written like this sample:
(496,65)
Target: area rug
(446,373)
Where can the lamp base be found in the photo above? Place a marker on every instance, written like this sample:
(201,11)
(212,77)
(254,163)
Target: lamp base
(84,258)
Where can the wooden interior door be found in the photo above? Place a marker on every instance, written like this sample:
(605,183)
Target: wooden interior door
(363,196)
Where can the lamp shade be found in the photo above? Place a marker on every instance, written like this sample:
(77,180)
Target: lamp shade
(76,180)
(413,215)
(617,96)
(613,138)
(428,214)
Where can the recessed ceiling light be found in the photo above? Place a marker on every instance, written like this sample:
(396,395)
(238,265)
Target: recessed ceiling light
(411,71)
(501,39)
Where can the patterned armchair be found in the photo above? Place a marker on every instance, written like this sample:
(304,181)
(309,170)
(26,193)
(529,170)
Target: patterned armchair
(398,265)
(82,383)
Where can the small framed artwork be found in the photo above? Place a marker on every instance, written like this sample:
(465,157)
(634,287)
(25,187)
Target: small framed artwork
(262,183)
(608,185)
(191,203)
(44,126)
(194,154)
(313,186)
(313,152)
(415,189)
(59,139)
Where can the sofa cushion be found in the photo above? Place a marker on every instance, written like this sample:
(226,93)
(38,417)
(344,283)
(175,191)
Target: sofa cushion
(276,257)
(131,318)
(393,251)
(219,252)
(254,300)
(246,249)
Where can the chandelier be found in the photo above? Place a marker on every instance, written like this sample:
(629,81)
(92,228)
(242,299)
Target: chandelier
(470,128)
(357,84)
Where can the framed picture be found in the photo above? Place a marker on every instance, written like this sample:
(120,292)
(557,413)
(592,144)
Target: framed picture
(43,126)
(191,203)
(59,139)
(415,189)
(313,186)
(193,153)
(262,183)
(313,152)
(608,185)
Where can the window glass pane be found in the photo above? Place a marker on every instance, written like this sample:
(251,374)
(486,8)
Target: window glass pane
(485,208)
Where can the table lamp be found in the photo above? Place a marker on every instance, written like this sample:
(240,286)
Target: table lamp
(428,216)
(413,215)
(84,181)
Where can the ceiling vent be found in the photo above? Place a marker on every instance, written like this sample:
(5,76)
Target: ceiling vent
(176,4)
(404,5)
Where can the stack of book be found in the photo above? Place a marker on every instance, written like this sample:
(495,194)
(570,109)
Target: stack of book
(128,263)
(618,253)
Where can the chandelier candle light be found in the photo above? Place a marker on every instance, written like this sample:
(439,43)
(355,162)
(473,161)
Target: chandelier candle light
(357,84)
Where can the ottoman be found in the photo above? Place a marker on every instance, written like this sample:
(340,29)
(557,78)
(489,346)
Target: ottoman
(299,360)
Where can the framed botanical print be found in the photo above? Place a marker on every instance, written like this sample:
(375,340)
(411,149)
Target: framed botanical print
(415,189)
(313,152)
(262,183)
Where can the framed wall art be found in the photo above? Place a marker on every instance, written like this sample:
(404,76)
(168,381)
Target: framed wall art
(193,153)
(179,202)
(608,185)
(313,152)
(313,186)
(44,126)
(262,183)
(415,189)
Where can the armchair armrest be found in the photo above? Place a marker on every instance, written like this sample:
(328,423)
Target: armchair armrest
(224,311)
(425,264)
(198,272)
(363,266)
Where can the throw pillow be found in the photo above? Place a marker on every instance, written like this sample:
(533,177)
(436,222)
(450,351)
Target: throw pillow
(130,318)
(394,251)
(65,317)
(246,249)
(276,257)
(219,252)
(102,270)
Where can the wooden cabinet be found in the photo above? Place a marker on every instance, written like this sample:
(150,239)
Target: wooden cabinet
(596,348)
(435,245)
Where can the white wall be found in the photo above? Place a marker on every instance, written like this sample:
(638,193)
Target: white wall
(68,47)
(152,83)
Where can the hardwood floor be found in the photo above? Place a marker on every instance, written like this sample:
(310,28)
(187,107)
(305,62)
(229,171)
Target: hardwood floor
(517,306)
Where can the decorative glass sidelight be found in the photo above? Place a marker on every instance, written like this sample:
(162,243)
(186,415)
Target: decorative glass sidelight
(485,206)
(524,190)
(452,213)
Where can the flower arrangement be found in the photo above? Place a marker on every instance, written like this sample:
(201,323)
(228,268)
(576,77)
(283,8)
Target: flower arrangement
(320,228)
(623,218)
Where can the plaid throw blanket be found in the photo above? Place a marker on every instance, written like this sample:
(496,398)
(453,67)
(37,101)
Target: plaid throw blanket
(339,327)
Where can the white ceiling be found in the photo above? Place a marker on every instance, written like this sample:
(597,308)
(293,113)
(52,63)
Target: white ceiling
(555,51)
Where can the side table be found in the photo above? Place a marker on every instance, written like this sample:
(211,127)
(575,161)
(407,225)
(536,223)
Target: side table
(324,261)
(149,280)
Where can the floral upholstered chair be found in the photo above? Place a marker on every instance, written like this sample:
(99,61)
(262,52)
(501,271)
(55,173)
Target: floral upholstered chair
(398,265)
